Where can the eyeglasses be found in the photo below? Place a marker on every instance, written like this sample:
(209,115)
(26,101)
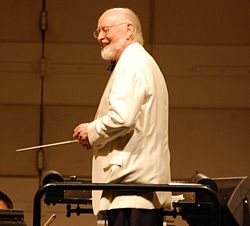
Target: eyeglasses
(105,30)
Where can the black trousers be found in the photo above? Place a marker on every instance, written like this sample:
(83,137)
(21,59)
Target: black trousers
(135,217)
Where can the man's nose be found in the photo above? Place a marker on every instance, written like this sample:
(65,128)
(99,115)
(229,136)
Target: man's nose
(100,36)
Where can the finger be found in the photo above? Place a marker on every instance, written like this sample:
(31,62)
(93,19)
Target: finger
(76,134)
(77,128)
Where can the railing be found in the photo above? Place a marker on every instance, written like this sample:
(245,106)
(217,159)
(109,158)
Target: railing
(172,187)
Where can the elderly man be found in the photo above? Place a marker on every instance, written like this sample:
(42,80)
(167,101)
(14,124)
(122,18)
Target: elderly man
(129,135)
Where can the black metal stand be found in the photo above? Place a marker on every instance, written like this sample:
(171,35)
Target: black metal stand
(176,187)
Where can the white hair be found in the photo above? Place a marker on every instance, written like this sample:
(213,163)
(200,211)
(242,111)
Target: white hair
(129,16)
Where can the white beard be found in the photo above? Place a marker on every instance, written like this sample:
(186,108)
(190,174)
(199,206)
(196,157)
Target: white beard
(109,52)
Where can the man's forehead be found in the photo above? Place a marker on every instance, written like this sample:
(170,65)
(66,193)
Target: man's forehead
(108,18)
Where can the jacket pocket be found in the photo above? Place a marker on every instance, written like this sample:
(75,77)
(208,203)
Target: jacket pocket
(115,159)
(114,167)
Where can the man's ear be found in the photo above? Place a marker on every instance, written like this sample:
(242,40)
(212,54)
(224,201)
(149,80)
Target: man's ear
(130,31)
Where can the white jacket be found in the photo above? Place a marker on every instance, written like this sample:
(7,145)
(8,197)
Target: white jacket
(129,135)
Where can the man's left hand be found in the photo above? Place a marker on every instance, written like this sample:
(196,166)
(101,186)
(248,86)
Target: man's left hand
(81,133)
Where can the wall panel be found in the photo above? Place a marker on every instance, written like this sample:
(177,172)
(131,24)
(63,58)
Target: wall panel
(19,73)
(203,22)
(19,20)
(206,76)
(75,74)
(214,142)
(19,128)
